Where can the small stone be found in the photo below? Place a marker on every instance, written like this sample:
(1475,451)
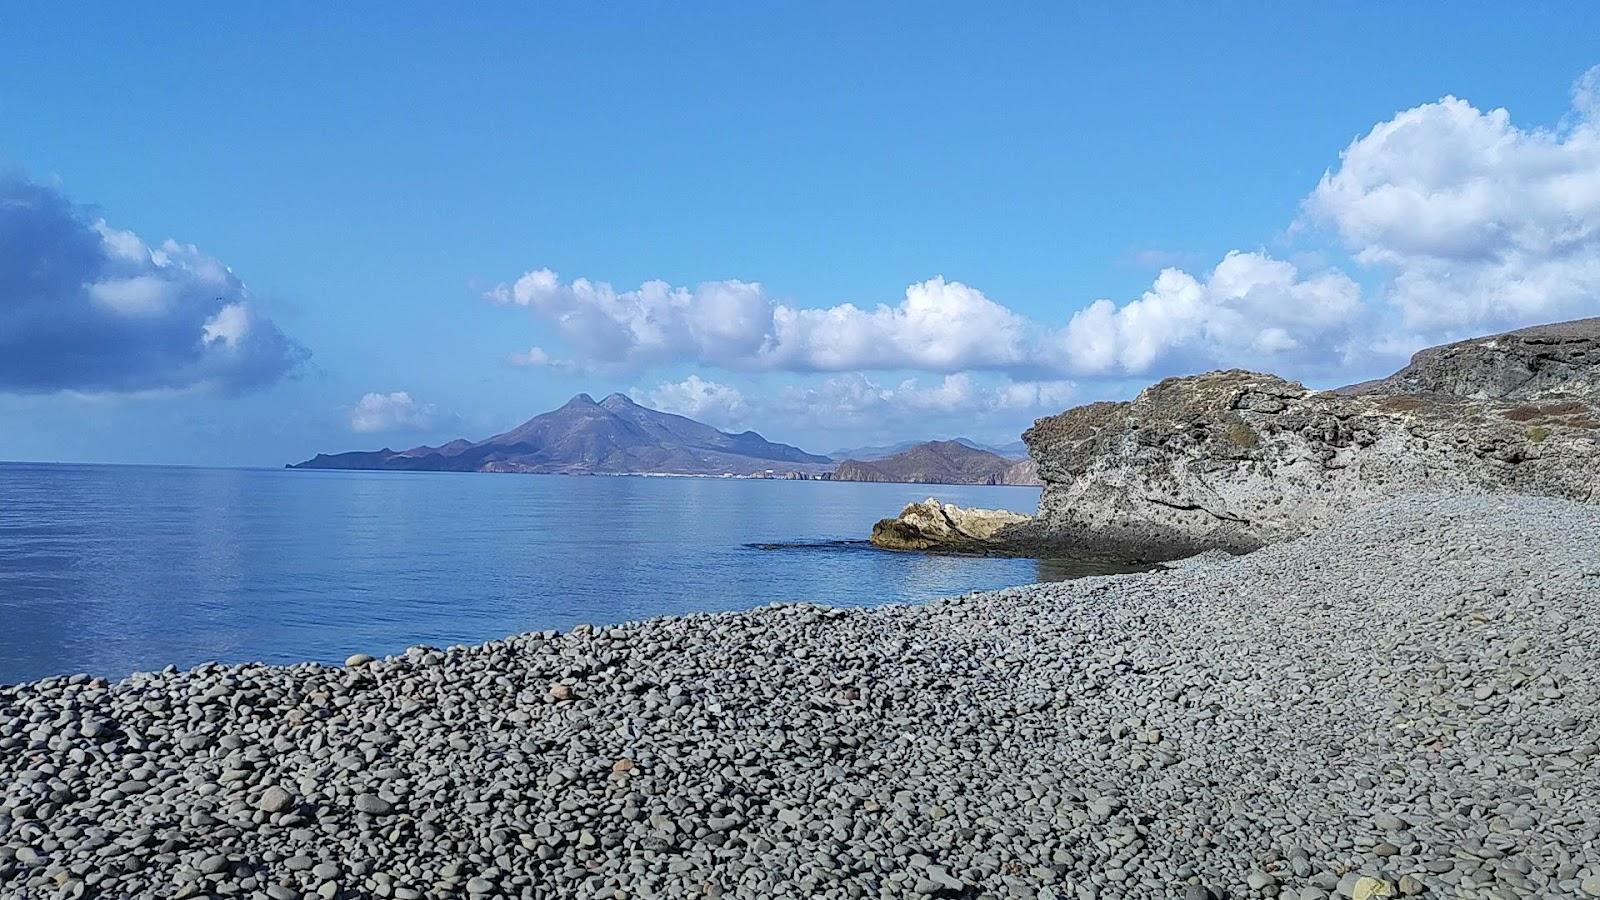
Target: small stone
(1368,888)
(357,659)
(479,886)
(1259,880)
(1590,885)
(275,800)
(1387,821)
(373,805)
(723,823)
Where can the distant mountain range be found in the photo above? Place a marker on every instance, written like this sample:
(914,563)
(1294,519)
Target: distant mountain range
(1013,450)
(940,462)
(614,436)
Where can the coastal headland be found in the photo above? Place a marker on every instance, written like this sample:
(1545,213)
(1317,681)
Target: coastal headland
(1235,460)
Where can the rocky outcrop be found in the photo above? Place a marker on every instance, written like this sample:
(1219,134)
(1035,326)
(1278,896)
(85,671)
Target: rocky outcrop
(1236,459)
(931,525)
(1233,460)
(1531,363)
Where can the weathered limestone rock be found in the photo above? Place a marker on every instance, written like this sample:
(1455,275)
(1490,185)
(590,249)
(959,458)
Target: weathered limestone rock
(1237,459)
(931,525)
(1533,363)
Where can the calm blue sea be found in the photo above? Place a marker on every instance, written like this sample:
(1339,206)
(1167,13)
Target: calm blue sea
(116,569)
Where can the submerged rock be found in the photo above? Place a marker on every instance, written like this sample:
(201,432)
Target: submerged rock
(931,525)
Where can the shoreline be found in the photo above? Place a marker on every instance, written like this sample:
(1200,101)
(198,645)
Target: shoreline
(1232,725)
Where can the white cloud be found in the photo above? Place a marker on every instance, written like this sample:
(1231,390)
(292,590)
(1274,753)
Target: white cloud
(533,357)
(1036,396)
(940,326)
(1251,306)
(699,399)
(391,412)
(1253,309)
(1481,224)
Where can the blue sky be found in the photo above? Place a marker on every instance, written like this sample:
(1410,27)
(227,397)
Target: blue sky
(378,185)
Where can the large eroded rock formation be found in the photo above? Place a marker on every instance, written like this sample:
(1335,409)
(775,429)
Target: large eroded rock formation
(1237,459)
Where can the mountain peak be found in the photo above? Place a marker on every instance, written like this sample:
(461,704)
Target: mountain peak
(614,436)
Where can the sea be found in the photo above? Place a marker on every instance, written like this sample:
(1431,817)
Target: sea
(111,570)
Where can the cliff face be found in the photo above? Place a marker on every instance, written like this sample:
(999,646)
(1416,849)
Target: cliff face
(1538,362)
(1238,459)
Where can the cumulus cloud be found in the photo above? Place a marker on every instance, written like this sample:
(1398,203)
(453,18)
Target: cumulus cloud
(1250,303)
(1251,309)
(88,307)
(1479,223)
(706,401)
(939,325)
(391,412)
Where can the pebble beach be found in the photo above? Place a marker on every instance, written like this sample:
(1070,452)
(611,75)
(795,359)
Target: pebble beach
(1406,703)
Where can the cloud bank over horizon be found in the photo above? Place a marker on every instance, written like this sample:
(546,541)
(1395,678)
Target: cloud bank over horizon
(1250,303)
(88,308)
(856,403)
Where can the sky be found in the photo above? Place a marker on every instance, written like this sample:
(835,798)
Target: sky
(242,236)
